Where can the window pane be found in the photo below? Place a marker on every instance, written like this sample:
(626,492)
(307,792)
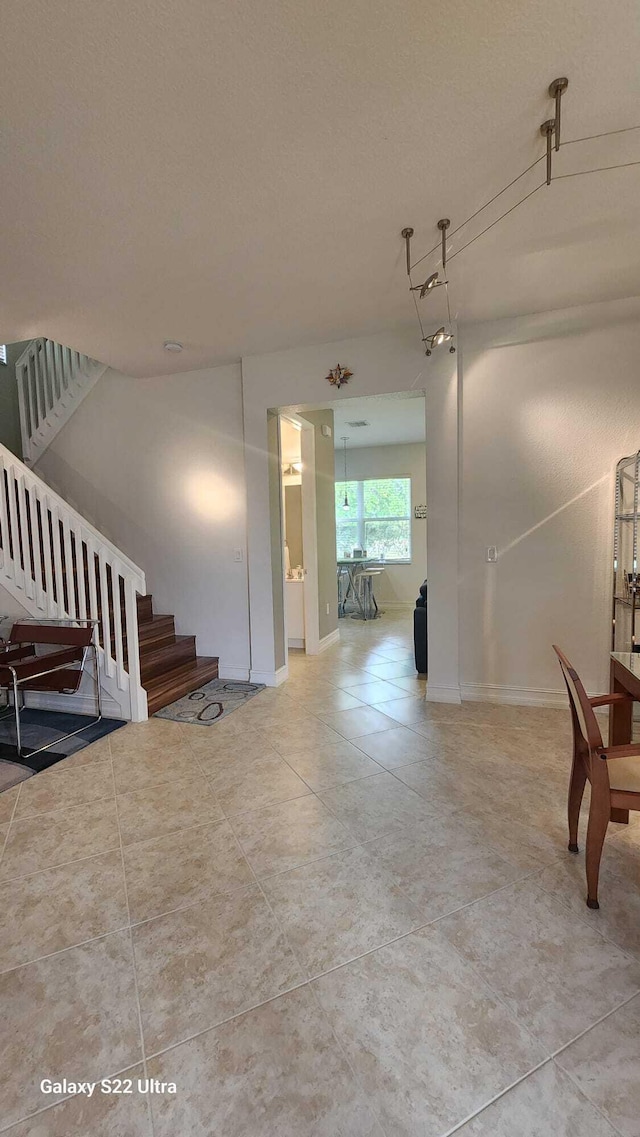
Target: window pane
(346,536)
(387,497)
(391,539)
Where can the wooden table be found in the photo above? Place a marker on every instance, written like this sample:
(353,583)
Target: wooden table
(625,680)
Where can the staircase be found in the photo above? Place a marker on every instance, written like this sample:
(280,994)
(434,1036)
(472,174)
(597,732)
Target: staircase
(57,566)
(52,382)
(169,666)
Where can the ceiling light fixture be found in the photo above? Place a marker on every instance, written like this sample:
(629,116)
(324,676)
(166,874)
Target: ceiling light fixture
(550,130)
(172,346)
(438,338)
(557,90)
(430,283)
(345,504)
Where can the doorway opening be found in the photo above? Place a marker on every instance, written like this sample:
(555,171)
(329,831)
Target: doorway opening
(353,517)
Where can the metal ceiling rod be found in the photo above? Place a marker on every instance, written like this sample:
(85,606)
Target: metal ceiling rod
(408,234)
(547,130)
(556,90)
(443,225)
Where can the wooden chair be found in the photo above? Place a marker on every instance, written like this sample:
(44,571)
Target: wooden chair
(613,771)
(21,669)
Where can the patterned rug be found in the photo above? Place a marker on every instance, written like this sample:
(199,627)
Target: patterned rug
(211,703)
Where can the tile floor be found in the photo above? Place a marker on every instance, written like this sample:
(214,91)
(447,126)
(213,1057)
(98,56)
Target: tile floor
(341,912)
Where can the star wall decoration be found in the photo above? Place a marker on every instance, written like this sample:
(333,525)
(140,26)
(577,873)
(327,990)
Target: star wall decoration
(339,375)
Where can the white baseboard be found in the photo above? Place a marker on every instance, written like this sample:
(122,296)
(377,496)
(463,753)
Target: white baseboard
(74,704)
(442,694)
(240,674)
(270,678)
(328,641)
(515,696)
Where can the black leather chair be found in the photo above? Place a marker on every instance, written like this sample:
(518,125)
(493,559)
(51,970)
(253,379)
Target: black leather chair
(420,631)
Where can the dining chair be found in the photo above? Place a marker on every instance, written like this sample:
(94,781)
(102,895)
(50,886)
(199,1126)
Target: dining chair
(613,772)
(61,671)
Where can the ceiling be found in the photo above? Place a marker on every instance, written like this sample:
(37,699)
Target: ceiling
(389,421)
(234,176)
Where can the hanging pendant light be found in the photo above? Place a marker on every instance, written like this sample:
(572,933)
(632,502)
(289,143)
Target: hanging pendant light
(345,504)
(437,338)
(430,283)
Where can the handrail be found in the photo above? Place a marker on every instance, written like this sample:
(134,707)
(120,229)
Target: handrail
(59,566)
(52,380)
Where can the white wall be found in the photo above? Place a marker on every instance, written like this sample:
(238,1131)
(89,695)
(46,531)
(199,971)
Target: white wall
(399,584)
(158,466)
(549,405)
(381,364)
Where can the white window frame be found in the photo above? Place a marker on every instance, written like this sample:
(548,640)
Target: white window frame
(361,519)
(3,353)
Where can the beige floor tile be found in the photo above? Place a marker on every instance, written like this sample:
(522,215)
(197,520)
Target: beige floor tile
(60,907)
(428,1041)
(413,684)
(143,735)
(337,700)
(408,709)
(277,1072)
(618,917)
(605,1064)
(226,729)
(375,806)
(440,868)
(362,720)
(553,969)
(332,765)
(524,846)
(150,767)
(546,1104)
(57,788)
(346,676)
(283,836)
(374,691)
(289,742)
(164,809)
(338,908)
(184,868)
(390,653)
(72,1015)
(239,752)
(264,781)
(49,839)
(391,670)
(99,751)
(396,747)
(101,1115)
(8,800)
(199,966)
(446,789)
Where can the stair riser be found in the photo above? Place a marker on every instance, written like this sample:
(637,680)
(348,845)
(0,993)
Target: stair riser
(168,658)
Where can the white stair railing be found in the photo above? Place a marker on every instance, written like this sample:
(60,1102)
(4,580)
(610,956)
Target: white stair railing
(52,382)
(56,565)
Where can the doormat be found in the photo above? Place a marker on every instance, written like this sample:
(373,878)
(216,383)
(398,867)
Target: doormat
(40,727)
(210,703)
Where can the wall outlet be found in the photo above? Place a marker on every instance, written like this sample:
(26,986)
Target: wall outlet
(327,609)
(238,555)
(491,555)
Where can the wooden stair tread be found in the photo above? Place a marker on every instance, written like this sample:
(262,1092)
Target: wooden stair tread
(171,685)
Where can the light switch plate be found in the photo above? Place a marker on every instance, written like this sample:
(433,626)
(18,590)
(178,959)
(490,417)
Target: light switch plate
(492,554)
